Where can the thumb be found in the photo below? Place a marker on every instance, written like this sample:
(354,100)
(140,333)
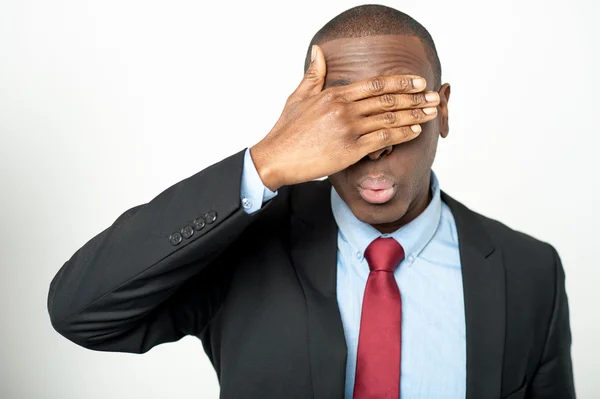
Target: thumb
(314,78)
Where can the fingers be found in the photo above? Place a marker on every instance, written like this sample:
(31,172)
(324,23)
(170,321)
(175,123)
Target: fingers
(382,138)
(394,119)
(380,85)
(314,78)
(395,102)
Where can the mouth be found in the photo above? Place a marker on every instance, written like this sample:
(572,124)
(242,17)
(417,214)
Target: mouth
(376,190)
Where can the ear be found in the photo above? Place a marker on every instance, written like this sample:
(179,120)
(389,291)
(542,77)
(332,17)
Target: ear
(444,93)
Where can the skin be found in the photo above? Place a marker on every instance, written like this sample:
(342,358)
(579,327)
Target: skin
(407,164)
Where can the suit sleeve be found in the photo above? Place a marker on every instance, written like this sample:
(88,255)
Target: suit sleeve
(130,287)
(554,375)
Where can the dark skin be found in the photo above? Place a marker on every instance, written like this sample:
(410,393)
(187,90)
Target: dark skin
(407,164)
(364,109)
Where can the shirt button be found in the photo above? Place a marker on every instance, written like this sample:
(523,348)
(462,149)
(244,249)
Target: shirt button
(411,258)
(358,255)
(246,203)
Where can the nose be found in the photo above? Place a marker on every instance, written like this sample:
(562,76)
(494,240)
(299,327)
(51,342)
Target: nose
(375,155)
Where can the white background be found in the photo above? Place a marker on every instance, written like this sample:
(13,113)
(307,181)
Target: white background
(104,104)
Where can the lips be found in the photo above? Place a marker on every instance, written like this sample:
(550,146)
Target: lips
(376,190)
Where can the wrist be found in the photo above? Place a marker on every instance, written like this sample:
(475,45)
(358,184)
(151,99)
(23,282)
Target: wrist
(266,171)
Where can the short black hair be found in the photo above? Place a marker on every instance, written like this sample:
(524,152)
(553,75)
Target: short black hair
(374,19)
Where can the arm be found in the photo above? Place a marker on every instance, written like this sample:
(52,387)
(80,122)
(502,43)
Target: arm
(554,375)
(128,287)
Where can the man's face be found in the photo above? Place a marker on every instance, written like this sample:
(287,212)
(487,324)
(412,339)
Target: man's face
(408,165)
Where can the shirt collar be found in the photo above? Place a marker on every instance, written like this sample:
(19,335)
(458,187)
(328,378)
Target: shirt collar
(413,236)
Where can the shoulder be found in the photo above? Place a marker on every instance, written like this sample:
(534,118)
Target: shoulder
(528,261)
(502,236)
(532,269)
(515,243)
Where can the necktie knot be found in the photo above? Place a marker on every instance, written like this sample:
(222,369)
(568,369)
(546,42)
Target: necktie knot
(384,254)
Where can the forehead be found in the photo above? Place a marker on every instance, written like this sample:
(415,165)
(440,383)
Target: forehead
(353,59)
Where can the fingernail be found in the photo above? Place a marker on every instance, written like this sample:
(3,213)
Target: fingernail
(416,128)
(432,96)
(313,53)
(429,111)
(419,83)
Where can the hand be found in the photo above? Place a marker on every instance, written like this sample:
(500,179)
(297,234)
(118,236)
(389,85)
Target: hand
(321,132)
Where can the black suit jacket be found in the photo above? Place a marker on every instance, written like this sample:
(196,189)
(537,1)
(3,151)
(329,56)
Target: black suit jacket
(259,290)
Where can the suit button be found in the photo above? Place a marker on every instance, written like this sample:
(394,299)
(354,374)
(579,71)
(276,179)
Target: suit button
(187,231)
(175,238)
(199,223)
(210,217)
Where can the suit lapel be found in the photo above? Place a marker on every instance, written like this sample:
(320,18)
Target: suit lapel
(313,249)
(485,303)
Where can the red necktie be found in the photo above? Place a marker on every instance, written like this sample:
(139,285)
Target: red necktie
(379,342)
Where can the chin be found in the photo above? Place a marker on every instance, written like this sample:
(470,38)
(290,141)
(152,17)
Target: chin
(379,214)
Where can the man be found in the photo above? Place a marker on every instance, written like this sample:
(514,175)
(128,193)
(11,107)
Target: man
(372,283)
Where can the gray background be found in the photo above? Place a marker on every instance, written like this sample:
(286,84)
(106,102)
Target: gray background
(104,104)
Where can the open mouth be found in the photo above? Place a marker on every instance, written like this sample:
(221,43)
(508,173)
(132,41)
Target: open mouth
(376,191)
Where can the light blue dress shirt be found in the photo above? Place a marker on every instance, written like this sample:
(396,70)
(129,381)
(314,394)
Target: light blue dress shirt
(430,282)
